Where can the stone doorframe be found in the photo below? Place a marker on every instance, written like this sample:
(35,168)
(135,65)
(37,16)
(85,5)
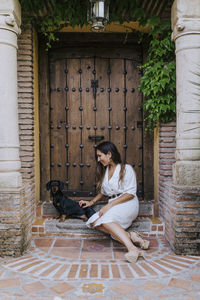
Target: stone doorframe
(184,205)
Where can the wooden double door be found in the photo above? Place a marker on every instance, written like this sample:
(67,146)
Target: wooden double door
(93,99)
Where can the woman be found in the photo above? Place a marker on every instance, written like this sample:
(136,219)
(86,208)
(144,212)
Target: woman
(118,182)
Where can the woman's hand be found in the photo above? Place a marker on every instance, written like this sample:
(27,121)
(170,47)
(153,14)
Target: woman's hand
(104,209)
(85,204)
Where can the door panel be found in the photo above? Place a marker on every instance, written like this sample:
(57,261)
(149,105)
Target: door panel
(93,99)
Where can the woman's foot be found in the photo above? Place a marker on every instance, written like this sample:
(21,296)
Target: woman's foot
(138,241)
(133,255)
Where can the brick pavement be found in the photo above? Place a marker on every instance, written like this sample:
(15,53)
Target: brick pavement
(70,268)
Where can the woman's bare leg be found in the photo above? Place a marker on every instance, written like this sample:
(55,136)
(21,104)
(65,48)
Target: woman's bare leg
(101,228)
(123,237)
(118,233)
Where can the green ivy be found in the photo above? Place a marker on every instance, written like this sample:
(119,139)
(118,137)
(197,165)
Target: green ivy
(51,16)
(158,83)
(48,15)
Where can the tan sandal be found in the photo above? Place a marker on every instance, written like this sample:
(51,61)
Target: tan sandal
(133,255)
(138,241)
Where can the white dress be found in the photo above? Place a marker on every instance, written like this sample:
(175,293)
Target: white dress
(125,213)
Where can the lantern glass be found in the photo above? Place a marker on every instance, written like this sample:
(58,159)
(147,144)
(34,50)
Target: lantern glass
(98,14)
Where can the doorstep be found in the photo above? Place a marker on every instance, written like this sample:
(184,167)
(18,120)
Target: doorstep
(47,210)
(77,228)
(47,225)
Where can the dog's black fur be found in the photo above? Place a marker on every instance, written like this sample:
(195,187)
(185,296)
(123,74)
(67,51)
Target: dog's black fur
(65,206)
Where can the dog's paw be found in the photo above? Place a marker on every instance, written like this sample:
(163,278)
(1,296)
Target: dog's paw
(84,218)
(63,218)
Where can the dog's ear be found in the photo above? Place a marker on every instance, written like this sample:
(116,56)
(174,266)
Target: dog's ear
(61,185)
(48,185)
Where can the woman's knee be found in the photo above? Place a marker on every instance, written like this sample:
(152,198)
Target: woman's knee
(107,225)
(102,228)
(99,227)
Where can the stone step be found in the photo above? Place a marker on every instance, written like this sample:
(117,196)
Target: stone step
(47,225)
(77,227)
(146,208)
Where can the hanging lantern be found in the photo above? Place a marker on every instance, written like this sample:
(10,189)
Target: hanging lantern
(98,15)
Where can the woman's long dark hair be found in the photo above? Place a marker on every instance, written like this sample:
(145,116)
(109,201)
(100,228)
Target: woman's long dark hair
(106,147)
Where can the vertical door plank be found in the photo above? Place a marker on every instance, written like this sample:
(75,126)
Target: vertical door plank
(88,153)
(44,104)
(117,103)
(74,133)
(57,118)
(102,102)
(134,114)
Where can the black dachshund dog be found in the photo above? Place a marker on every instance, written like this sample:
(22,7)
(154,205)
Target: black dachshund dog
(65,206)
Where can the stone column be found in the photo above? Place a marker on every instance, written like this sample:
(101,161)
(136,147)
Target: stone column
(182,201)
(186,34)
(10,20)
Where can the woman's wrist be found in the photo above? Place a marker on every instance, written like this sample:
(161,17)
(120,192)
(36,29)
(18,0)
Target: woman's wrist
(96,199)
(110,204)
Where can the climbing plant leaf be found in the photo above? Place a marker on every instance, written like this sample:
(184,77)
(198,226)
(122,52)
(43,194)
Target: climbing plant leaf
(158,83)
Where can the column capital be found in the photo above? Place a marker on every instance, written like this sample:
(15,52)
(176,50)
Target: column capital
(185,18)
(10,15)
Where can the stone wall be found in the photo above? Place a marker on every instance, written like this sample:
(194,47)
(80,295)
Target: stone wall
(167,147)
(179,206)
(184,206)
(26,124)
(10,223)
(26,130)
